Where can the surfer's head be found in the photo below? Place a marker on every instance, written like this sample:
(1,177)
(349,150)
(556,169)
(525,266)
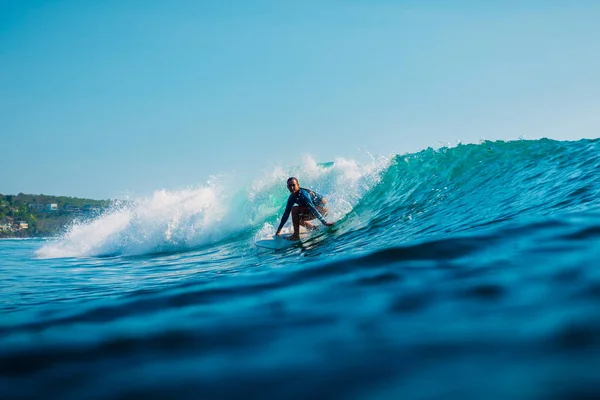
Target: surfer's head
(293,185)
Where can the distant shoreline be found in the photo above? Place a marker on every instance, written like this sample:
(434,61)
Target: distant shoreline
(41,216)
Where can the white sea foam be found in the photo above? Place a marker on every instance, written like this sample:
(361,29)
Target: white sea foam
(193,217)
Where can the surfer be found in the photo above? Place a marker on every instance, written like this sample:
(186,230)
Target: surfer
(311,205)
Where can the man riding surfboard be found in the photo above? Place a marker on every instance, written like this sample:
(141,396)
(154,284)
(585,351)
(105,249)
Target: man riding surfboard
(311,205)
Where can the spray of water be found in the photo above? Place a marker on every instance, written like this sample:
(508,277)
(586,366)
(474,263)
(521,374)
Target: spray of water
(215,212)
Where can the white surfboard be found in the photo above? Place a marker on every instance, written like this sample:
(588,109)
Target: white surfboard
(277,242)
(280,242)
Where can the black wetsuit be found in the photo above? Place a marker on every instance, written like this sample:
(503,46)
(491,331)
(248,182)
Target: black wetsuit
(305,198)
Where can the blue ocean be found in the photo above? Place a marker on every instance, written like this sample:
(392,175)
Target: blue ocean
(461,272)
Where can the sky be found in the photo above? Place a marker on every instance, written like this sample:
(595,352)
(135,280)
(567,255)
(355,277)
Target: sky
(104,98)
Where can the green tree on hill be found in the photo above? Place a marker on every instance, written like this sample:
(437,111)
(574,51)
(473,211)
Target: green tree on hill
(41,222)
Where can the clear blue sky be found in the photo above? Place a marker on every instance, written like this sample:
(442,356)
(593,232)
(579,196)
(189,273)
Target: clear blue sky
(98,98)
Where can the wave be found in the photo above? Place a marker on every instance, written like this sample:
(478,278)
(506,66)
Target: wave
(450,190)
(169,221)
(387,201)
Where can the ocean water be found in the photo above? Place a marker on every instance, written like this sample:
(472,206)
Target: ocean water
(463,272)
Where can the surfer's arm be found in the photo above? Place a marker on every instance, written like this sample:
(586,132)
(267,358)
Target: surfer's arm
(286,214)
(311,205)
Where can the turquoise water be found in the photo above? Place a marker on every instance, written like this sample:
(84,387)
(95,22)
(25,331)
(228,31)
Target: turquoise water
(465,272)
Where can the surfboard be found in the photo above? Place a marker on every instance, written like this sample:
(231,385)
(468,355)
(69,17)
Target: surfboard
(277,242)
(280,242)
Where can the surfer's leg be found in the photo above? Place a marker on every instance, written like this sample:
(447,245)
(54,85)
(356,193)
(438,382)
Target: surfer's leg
(296,222)
(309,216)
(306,215)
(323,210)
(309,226)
